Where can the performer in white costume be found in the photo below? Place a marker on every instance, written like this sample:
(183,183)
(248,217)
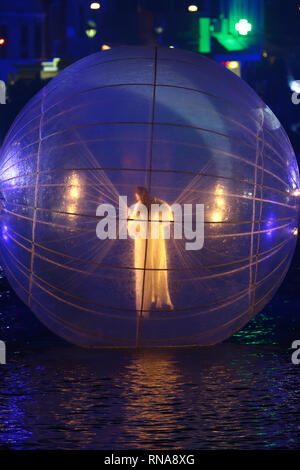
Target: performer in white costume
(150,256)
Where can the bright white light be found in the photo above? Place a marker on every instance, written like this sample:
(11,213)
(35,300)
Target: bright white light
(171,47)
(243,27)
(295,85)
(270,119)
(95,6)
(193,8)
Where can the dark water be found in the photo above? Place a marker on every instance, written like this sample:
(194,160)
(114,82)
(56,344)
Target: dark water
(242,394)
(232,396)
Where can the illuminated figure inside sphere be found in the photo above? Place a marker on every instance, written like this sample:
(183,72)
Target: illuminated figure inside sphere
(143,125)
(150,253)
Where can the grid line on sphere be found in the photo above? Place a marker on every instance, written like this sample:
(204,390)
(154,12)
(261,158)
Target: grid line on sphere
(59,319)
(84,126)
(176,60)
(21,150)
(72,326)
(20,117)
(103,63)
(222,152)
(180,88)
(169,86)
(261,155)
(201,278)
(136,59)
(35,200)
(150,124)
(210,131)
(152,269)
(273,250)
(231,196)
(254,209)
(53,185)
(221,98)
(154,170)
(221,302)
(235,222)
(140,316)
(71,268)
(222,325)
(194,90)
(241,234)
(238,234)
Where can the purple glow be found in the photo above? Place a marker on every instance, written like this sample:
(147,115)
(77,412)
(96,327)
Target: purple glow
(201,150)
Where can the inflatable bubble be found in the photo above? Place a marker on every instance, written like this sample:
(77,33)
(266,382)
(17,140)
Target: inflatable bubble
(167,126)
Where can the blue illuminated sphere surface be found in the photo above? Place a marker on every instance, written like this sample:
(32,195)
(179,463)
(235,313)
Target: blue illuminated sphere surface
(193,133)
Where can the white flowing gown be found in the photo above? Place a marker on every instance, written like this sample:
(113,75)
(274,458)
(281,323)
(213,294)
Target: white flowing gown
(150,259)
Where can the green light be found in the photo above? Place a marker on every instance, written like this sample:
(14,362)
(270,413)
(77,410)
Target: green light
(204,36)
(243,27)
(230,42)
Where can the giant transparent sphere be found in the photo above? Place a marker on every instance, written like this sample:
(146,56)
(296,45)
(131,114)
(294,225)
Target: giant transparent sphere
(189,131)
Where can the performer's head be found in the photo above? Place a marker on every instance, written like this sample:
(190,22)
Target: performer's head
(142,195)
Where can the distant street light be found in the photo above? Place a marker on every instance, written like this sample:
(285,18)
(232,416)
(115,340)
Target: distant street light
(193,8)
(91,33)
(159,29)
(105,47)
(233,64)
(95,6)
(2,41)
(91,30)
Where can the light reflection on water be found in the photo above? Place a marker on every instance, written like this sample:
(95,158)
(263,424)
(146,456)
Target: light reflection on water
(242,394)
(228,396)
